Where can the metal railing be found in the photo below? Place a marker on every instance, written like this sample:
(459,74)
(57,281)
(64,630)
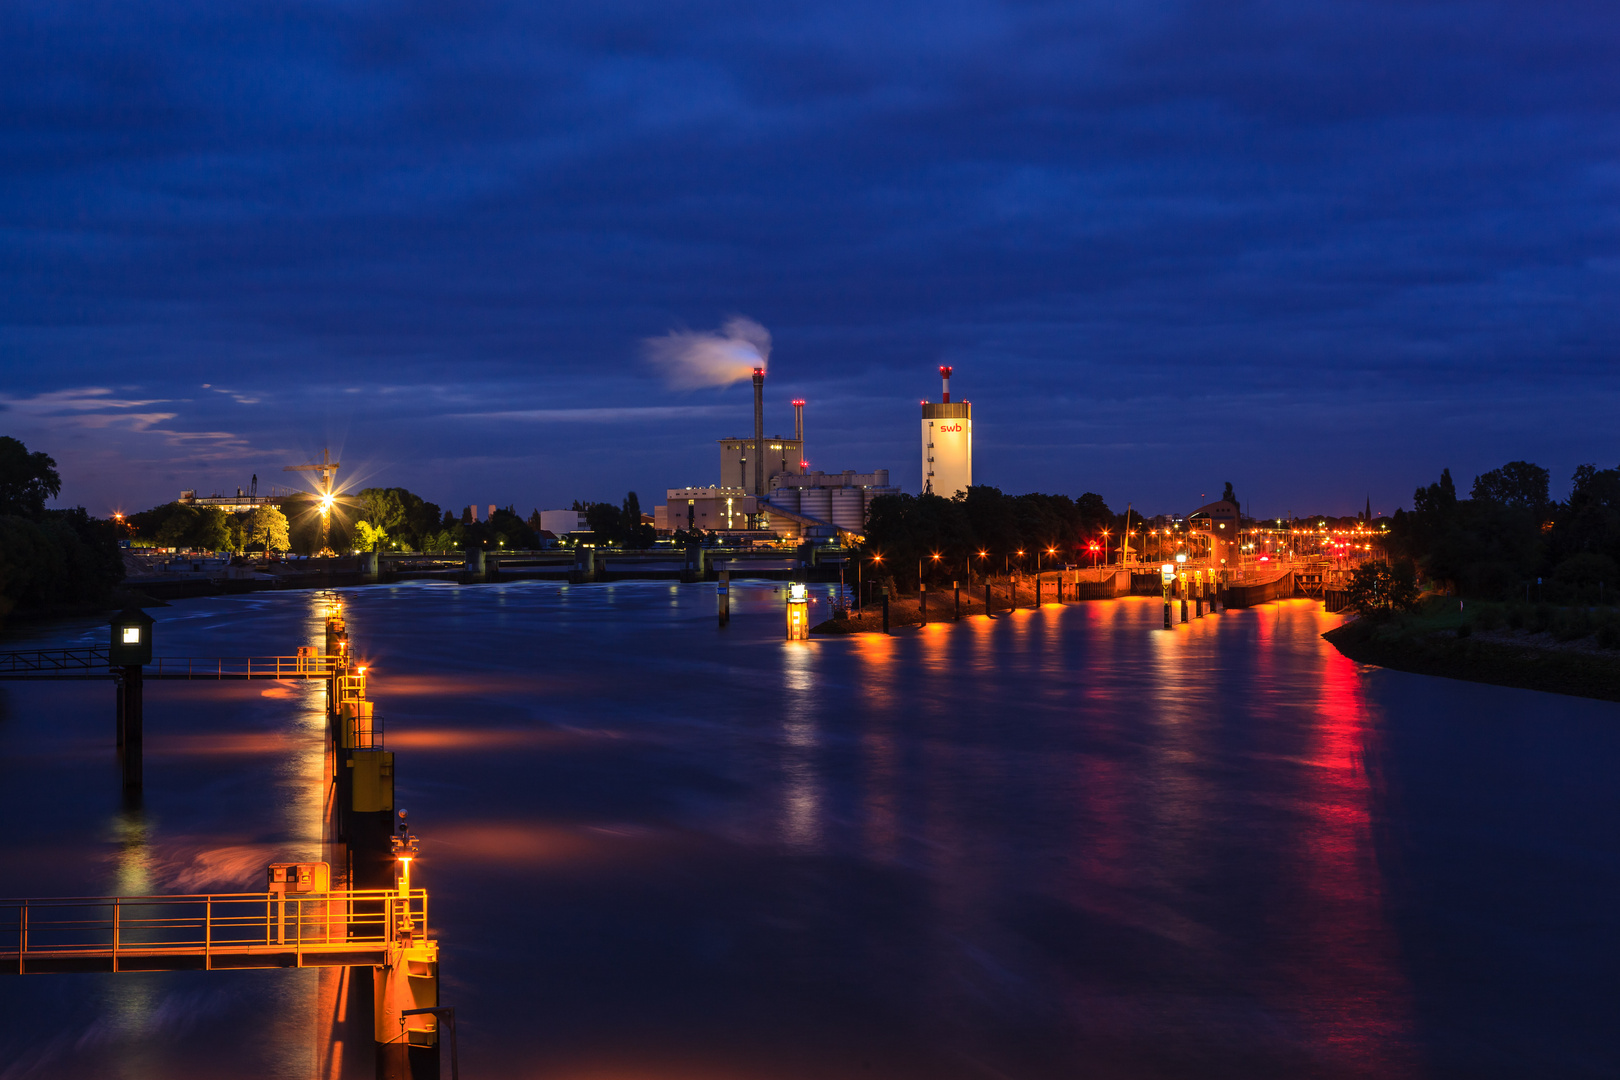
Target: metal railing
(155,933)
(246,667)
(46,661)
(94,659)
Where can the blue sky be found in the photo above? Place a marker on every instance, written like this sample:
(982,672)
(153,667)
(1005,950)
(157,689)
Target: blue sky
(1320,250)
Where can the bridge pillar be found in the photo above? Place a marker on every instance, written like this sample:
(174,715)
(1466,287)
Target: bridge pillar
(368,567)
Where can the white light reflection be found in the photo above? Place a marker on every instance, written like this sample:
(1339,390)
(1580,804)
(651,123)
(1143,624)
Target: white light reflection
(801,791)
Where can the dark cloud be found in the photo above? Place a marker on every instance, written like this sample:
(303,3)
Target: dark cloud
(1326,247)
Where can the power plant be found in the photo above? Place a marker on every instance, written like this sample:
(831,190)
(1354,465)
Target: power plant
(766,491)
(947,443)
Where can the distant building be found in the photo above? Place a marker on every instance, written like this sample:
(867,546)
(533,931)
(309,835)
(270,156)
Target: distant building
(1220,521)
(562,522)
(712,509)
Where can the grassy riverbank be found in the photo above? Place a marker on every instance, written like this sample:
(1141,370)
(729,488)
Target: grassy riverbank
(1561,650)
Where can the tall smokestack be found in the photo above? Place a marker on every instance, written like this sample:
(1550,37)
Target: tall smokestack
(799,431)
(759,431)
(945,377)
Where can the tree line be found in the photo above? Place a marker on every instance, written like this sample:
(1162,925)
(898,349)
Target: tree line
(375,519)
(1509,532)
(903,530)
(49,558)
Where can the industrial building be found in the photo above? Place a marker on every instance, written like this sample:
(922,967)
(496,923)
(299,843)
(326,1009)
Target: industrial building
(806,502)
(765,491)
(947,443)
(562,522)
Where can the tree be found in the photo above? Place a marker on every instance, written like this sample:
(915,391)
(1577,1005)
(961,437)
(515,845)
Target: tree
(26,480)
(1377,589)
(1229,495)
(369,537)
(605,520)
(268,527)
(384,508)
(212,531)
(1518,484)
(1438,498)
(177,526)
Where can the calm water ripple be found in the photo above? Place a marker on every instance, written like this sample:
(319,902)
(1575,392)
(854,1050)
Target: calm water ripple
(1059,844)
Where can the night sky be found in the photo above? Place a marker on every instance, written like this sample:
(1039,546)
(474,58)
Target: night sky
(1317,249)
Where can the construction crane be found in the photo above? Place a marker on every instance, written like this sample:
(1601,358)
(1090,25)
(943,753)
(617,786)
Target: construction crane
(328,469)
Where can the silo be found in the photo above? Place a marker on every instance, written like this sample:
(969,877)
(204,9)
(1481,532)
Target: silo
(816,503)
(787,498)
(848,509)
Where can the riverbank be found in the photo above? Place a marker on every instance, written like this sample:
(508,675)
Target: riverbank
(1479,643)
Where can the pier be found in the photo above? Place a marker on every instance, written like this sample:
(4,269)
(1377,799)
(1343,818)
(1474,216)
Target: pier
(359,911)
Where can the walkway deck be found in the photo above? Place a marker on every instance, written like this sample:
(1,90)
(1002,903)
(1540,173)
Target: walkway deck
(206,932)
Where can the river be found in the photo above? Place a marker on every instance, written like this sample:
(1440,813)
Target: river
(1061,843)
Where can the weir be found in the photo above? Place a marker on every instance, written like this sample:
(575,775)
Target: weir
(356,911)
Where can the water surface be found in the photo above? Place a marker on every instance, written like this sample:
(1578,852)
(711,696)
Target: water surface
(1062,843)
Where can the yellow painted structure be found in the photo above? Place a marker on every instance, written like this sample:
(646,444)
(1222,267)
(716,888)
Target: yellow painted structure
(373,780)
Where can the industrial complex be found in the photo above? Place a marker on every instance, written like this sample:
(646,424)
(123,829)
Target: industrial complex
(767,491)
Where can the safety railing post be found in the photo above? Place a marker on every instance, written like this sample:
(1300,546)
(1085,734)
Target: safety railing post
(208,933)
(22,936)
(116,911)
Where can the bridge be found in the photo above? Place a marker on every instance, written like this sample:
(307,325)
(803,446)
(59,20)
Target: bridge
(208,931)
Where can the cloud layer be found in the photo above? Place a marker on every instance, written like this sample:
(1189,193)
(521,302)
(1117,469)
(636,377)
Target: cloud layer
(1317,250)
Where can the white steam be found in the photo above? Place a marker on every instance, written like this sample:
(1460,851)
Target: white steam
(692,359)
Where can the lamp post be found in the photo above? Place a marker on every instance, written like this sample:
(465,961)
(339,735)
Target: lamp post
(130,648)
(1181,560)
(877,561)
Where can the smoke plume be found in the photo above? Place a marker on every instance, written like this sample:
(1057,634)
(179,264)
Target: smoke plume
(692,358)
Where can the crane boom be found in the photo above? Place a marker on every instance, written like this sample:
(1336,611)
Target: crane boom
(326,467)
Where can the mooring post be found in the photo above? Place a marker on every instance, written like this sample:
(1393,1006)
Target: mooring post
(130,690)
(1181,587)
(987,599)
(722,594)
(922,601)
(885,611)
(956,587)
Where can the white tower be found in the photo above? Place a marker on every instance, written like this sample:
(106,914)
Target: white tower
(947,443)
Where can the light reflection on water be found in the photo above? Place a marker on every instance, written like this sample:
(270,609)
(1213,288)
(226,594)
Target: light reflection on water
(1055,843)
